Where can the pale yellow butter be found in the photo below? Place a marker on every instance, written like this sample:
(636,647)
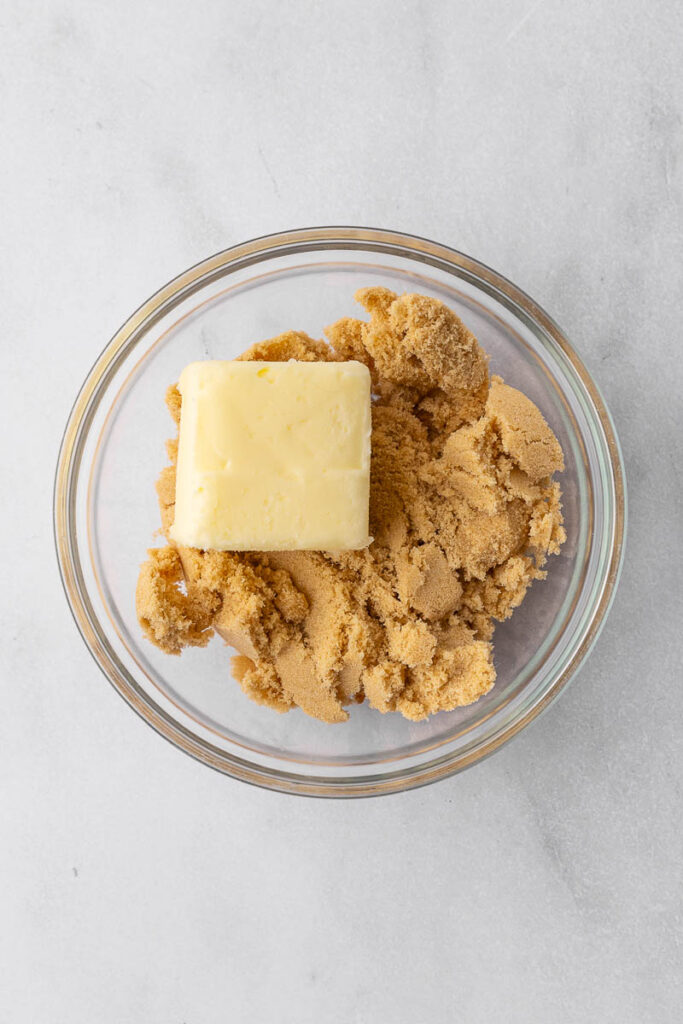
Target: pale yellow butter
(273,456)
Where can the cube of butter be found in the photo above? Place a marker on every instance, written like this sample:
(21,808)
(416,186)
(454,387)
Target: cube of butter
(273,456)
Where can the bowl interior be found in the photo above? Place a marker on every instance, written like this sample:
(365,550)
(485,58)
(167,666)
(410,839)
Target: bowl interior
(125,453)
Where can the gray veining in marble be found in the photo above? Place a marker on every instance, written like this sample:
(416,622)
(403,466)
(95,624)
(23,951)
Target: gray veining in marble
(545,138)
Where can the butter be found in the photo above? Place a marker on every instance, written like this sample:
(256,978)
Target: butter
(273,456)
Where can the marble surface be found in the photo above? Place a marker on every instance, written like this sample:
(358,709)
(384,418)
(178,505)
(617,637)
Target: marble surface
(543,885)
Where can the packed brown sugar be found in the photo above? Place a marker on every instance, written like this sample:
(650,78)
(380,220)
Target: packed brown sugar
(463,512)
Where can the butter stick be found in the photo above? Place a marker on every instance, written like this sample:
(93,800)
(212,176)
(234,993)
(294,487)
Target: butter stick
(273,456)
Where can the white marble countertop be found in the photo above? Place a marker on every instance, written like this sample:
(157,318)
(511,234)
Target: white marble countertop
(544,885)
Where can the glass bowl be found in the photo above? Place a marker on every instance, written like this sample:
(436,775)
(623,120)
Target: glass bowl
(106,512)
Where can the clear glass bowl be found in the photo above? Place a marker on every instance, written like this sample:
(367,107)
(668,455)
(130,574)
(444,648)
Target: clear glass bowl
(106,513)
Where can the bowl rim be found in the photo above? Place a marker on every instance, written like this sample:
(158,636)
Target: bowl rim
(185,284)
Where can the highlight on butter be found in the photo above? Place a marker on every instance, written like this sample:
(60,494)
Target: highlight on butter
(273,456)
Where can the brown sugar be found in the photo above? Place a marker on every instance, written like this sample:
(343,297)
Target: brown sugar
(463,512)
